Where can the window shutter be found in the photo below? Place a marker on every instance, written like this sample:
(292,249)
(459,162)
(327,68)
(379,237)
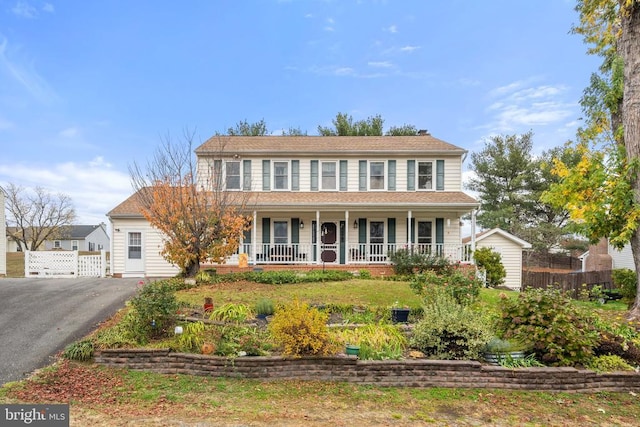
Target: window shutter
(295,175)
(363,175)
(343,175)
(266,231)
(439,231)
(439,174)
(391,233)
(362,230)
(314,175)
(246,171)
(266,175)
(411,175)
(392,175)
(295,230)
(218,179)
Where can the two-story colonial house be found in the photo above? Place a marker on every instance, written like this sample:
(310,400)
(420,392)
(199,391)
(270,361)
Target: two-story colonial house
(321,200)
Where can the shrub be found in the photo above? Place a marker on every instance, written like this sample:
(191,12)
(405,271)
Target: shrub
(265,307)
(449,330)
(119,335)
(464,287)
(231,312)
(301,330)
(609,363)
(491,262)
(626,280)
(409,261)
(79,350)
(376,342)
(240,340)
(559,333)
(615,345)
(155,309)
(192,337)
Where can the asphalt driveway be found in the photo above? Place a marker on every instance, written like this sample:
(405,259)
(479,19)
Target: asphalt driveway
(39,317)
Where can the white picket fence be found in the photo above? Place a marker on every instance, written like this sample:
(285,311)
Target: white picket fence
(64,264)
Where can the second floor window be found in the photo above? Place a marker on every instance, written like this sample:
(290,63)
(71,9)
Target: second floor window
(280,175)
(425,175)
(376,175)
(233,175)
(329,175)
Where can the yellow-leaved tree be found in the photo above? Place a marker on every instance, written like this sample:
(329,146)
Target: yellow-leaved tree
(184,198)
(602,192)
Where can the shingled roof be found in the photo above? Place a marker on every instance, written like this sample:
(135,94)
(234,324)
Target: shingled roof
(323,145)
(329,199)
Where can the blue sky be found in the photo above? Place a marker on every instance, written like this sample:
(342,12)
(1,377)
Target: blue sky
(87,87)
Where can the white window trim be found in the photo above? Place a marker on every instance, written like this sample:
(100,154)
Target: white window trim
(273,175)
(433,230)
(273,231)
(337,175)
(240,175)
(385,177)
(433,174)
(76,244)
(57,244)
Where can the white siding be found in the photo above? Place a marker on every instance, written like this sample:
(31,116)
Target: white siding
(154,264)
(452,171)
(622,258)
(511,254)
(98,237)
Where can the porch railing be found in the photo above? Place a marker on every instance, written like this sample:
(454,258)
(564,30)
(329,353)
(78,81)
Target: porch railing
(361,253)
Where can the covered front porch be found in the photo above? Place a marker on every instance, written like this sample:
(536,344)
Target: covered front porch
(352,238)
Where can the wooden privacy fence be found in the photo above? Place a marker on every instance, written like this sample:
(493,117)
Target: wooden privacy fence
(64,264)
(568,282)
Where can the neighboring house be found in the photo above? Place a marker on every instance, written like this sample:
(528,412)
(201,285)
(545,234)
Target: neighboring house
(91,238)
(3,232)
(603,256)
(510,249)
(317,200)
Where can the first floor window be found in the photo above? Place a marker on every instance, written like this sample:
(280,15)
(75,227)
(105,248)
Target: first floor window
(425,229)
(280,232)
(135,245)
(57,244)
(74,245)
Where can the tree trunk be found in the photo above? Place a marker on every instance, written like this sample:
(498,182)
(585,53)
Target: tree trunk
(630,51)
(192,269)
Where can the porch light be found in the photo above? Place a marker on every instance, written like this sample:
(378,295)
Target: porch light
(301,224)
(355,223)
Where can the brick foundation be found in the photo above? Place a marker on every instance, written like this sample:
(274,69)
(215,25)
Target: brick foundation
(399,373)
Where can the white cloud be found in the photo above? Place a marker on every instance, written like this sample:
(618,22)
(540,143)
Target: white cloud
(69,132)
(48,7)
(409,48)
(24,10)
(392,29)
(5,124)
(380,64)
(519,107)
(94,186)
(23,72)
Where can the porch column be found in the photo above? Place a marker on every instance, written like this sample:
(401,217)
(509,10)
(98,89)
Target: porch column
(318,237)
(473,234)
(410,237)
(346,237)
(254,237)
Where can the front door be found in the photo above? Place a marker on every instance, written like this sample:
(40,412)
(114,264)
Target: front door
(134,263)
(329,239)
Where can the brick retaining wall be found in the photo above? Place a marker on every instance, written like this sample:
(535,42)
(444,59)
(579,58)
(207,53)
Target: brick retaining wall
(402,373)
